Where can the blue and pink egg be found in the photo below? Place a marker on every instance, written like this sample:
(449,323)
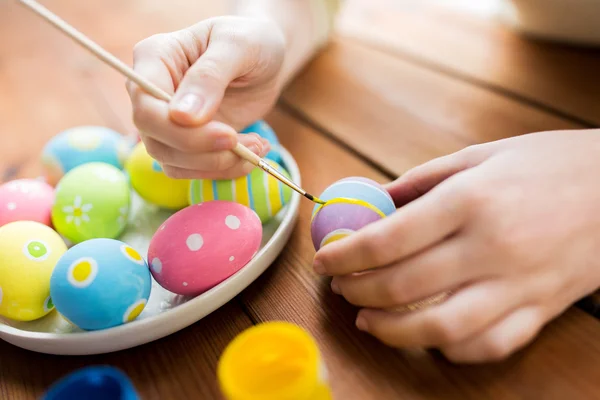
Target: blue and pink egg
(350,204)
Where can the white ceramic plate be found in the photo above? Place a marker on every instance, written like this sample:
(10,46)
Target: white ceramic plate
(165,312)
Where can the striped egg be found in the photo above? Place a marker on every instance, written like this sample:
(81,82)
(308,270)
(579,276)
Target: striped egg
(258,190)
(262,129)
(350,204)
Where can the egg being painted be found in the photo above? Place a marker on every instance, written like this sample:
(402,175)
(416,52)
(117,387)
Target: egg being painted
(26,200)
(92,201)
(101,283)
(29,252)
(262,129)
(80,145)
(350,204)
(202,245)
(150,182)
(257,190)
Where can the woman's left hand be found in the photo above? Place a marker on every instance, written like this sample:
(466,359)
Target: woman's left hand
(511,228)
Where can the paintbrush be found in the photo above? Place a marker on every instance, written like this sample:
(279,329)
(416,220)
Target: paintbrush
(151,88)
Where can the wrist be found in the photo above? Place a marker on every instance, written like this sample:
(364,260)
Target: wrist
(302,23)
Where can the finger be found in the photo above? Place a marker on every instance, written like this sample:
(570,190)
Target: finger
(500,341)
(148,56)
(409,230)
(238,170)
(203,86)
(151,117)
(420,180)
(216,161)
(462,315)
(441,268)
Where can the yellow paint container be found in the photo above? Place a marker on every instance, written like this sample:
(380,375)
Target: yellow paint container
(273,361)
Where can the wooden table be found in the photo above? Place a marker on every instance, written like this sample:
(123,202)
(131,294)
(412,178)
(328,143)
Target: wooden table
(402,82)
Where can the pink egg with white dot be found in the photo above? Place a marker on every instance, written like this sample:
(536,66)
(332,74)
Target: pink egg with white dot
(26,200)
(202,245)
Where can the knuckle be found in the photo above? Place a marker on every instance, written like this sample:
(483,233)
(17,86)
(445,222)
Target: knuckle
(187,143)
(473,195)
(157,151)
(173,172)
(150,44)
(209,71)
(392,292)
(143,117)
(496,350)
(218,162)
(443,330)
(372,246)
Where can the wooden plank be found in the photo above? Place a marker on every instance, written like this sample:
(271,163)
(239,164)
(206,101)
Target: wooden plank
(556,366)
(480,50)
(109,22)
(398,114)
(180,366)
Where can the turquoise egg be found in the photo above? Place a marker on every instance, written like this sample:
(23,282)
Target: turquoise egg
(100,283)
(81,145)
(266,132)
(350,204)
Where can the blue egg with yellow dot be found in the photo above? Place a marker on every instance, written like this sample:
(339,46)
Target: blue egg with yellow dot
(81,145)
(100,283)
(266,132)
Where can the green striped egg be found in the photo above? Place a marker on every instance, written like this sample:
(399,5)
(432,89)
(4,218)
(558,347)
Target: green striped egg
(258,190)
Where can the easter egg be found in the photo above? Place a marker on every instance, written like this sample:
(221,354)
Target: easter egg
(202,245)
(257,190)
(150,182)
(81,145)
(29,252)
(100,283)
(92,201)
(350,204)
(266,132)
(26,200)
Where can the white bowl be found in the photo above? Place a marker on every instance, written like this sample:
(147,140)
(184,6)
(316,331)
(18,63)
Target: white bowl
(165,312)
(569,21)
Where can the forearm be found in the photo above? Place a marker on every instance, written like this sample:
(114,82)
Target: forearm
(305,24)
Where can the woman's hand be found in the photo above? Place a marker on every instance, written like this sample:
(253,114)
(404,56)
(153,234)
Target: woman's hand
(511,228)
(223,73)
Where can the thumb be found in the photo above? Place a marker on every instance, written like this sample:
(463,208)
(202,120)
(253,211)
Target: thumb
(201,90)
(420,180)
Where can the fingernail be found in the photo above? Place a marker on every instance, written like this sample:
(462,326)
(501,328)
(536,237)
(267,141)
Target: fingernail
(224,143)
(319,267)
(335,287)
(361,323)
(189,103)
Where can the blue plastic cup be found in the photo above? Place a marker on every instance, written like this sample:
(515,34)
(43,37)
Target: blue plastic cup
(93,383)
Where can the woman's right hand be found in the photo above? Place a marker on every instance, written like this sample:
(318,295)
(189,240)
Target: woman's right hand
(224,75)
